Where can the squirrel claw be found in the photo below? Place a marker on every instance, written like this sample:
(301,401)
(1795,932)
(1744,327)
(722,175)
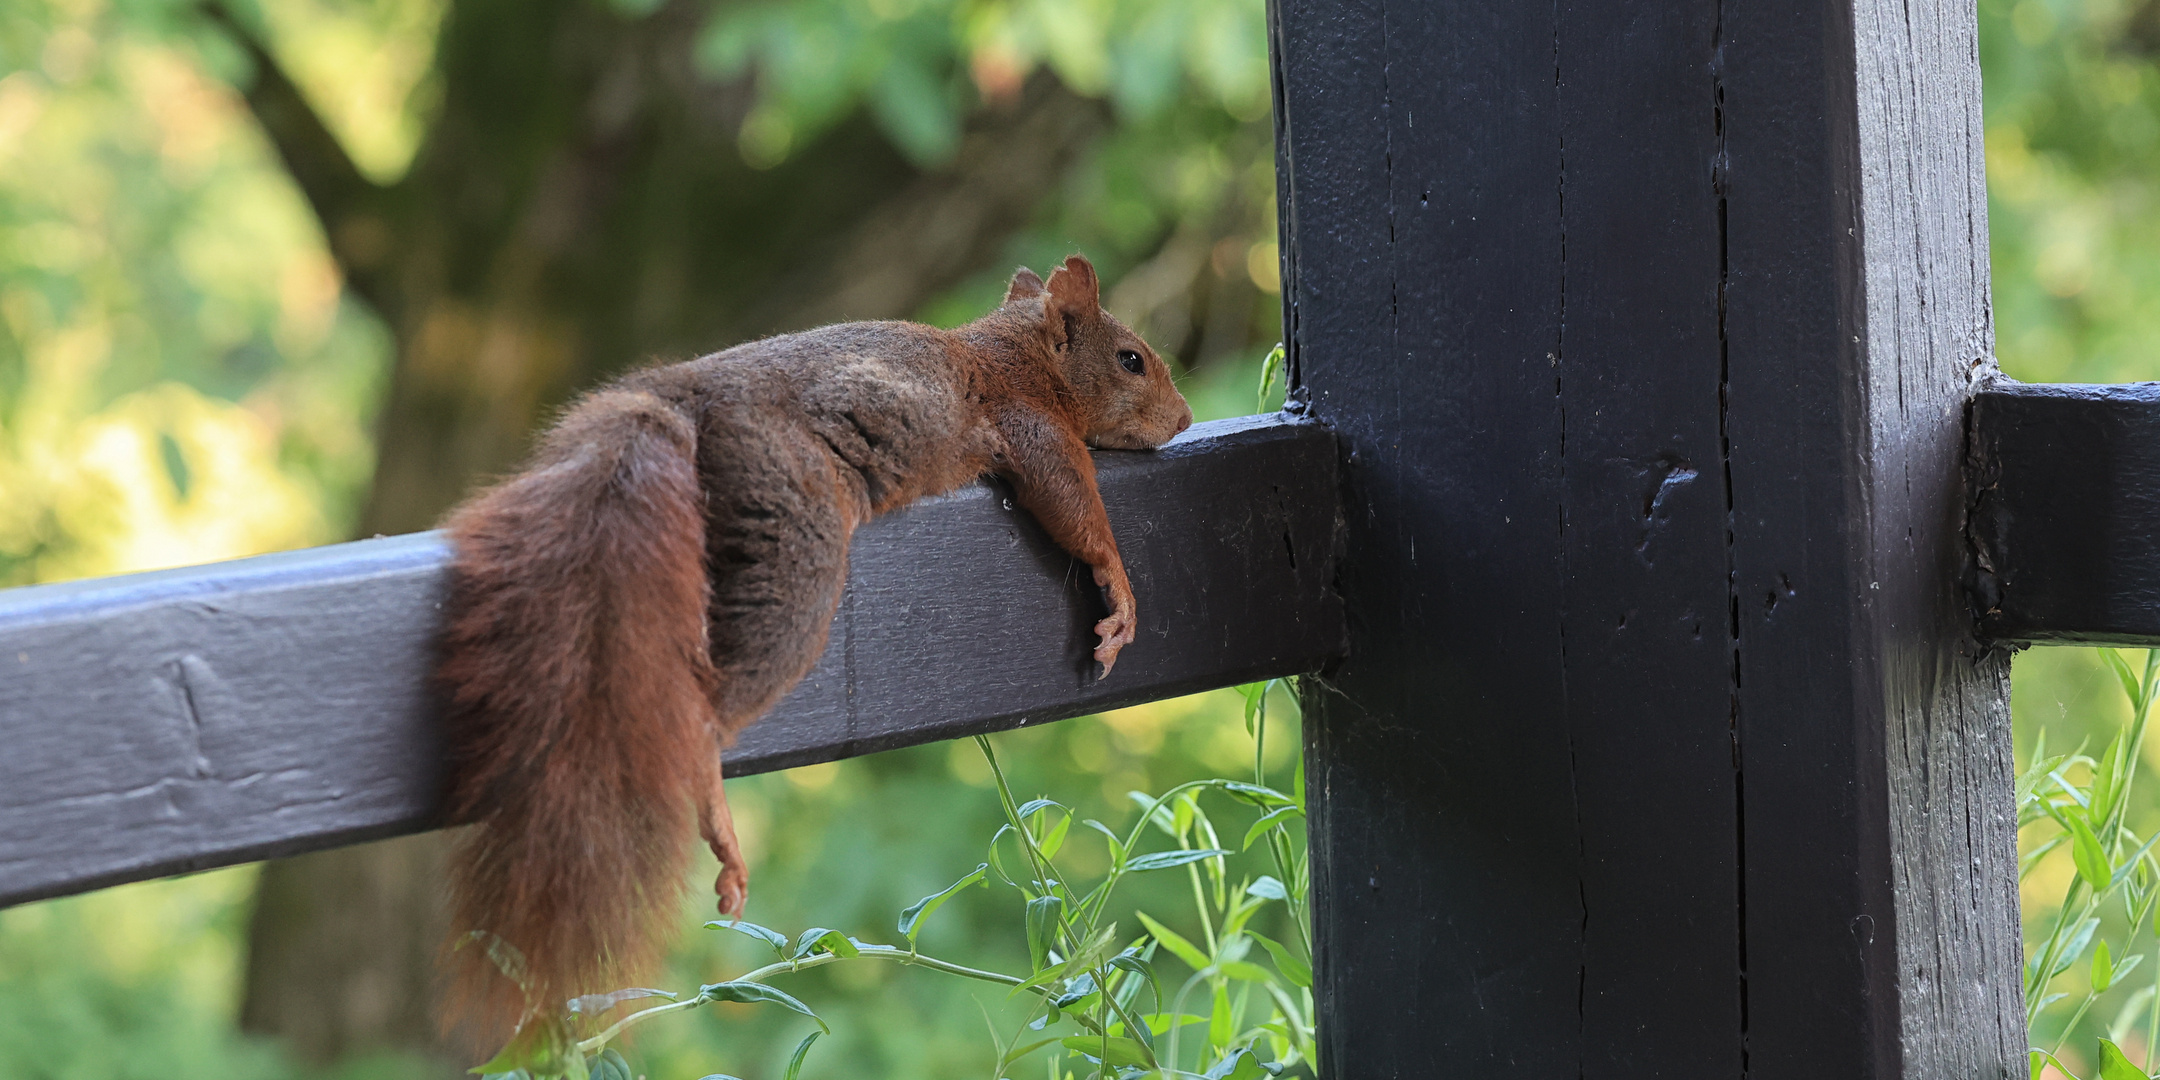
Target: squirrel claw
(1117,632)
(733,889)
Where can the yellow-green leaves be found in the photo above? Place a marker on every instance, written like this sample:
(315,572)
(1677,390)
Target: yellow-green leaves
(2085,851)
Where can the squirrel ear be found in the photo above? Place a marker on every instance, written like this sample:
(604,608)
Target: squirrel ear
(1073,288)
(1024,285)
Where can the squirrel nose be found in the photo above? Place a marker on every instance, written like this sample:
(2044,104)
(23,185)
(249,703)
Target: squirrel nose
(1185,421)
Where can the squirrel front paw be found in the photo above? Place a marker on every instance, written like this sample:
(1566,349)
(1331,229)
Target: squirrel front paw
(1116,632)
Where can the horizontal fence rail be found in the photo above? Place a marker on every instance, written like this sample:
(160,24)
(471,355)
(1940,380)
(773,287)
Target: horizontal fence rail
(183,719)
(2065,524)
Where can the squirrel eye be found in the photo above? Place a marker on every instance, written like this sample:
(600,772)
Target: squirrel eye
(1129,360)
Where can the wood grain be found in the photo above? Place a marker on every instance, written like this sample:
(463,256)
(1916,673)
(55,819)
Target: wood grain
(183,719)
(1879,840)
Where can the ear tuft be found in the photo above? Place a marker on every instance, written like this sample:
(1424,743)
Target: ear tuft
(1024,284)
(1073,288)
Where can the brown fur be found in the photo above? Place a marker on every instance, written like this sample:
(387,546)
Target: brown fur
(667,567)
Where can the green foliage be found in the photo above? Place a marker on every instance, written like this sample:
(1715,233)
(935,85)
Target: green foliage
(920,65)
(2073,156)
(179,378)
(1231,1017)
(2116,879)
(2072,95)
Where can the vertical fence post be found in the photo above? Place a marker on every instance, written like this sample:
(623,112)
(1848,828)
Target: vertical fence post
(1664,748)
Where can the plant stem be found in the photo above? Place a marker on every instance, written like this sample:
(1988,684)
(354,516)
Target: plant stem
(2064,1035)
(873,952)
(2152,1019)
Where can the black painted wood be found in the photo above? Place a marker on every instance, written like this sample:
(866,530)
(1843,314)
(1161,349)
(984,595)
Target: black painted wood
(1663,748)
(2066,513)
(1646,596)
(1880,837)
(183,719)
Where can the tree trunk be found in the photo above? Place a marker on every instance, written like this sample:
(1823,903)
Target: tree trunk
(579,206)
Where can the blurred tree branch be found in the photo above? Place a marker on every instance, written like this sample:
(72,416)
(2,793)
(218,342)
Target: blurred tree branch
(342,197)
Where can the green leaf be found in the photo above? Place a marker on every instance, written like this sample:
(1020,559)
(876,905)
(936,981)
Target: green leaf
(1271,370)
(1139,963)
(1158,811)
(1091,956)
(1281,815)
(1096,952)
(1255,692)
(1055,838)
(1257,795)
(1118,1051)
(820,939)
(542,1046)
(1043,915)
(1117,846)
(1020,1050)
(2130,862)
(802,1050)
(1242,1064)
(611,1066)
(773,938)
(2080,940)
(912,919)
(1222,1027)
(1246,970)
(1171,940)
(2090,857)
(2130,682)
(2114,1066)
(1164,860)
(1076,991)
(997,863)
(2103,968)
(750,993)
(1269,888)
(2105,781)
(1161,1023)
(1297,971)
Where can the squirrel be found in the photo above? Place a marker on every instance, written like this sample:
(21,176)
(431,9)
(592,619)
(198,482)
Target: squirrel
(667,566)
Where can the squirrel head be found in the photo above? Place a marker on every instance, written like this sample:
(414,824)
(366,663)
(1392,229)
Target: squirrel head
(1126,398)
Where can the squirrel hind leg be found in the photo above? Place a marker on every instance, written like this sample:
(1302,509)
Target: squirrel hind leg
(717,823)
(781,518)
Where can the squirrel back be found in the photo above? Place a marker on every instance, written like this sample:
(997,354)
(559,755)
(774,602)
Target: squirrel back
(667,566)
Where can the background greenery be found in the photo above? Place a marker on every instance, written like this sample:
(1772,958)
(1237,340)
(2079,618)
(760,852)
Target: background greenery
(2073,154)
(191,368)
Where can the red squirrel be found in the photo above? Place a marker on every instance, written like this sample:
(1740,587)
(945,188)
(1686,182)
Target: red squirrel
(667,566)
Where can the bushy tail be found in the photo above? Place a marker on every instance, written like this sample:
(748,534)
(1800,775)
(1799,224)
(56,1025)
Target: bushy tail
(580,723)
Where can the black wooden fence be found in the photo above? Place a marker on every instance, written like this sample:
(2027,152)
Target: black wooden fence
(1649,505)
